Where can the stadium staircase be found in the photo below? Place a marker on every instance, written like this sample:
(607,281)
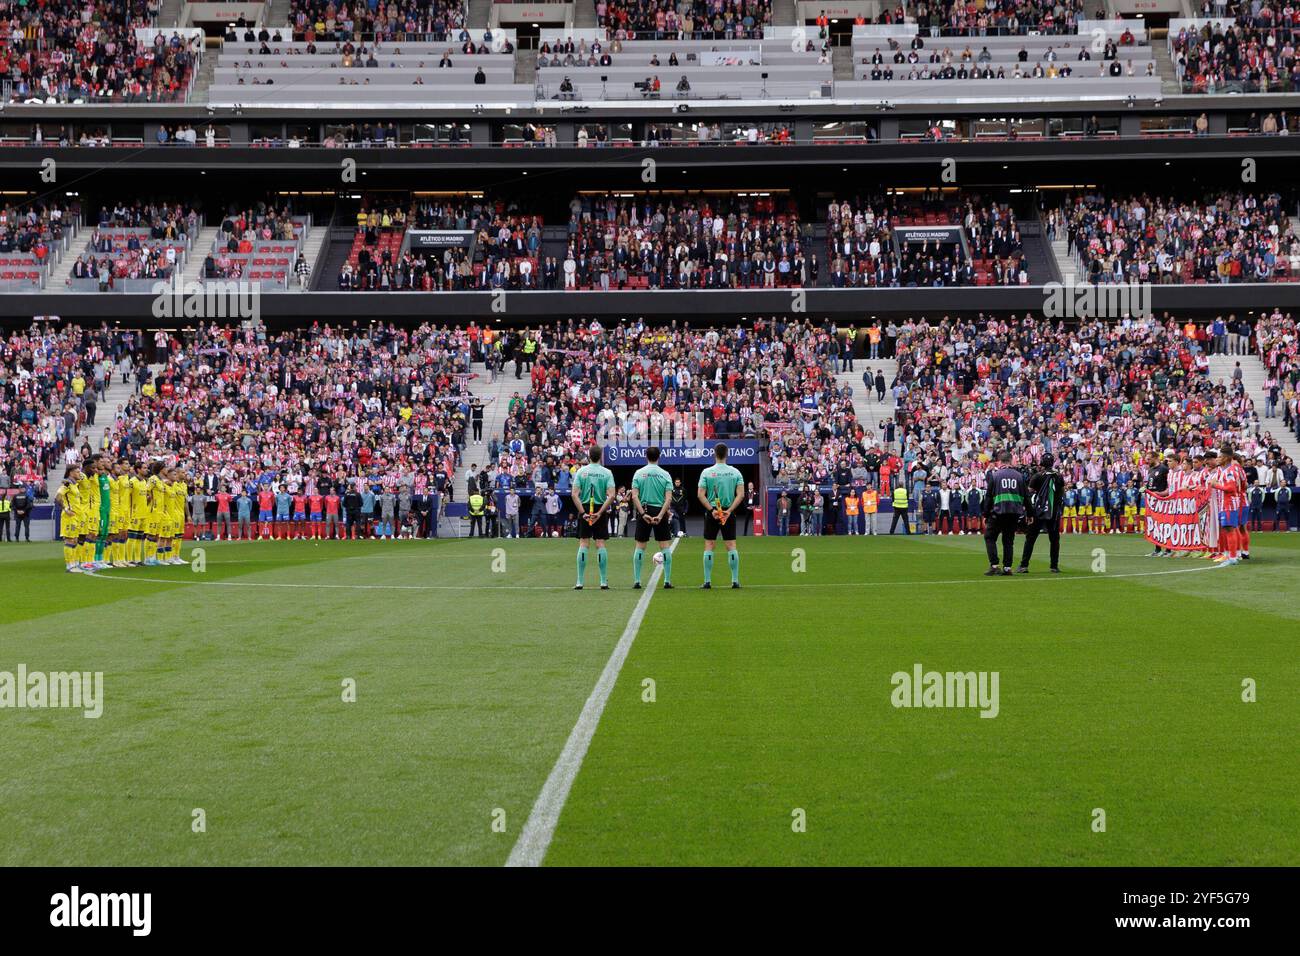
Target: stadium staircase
(783,13)
(169,14)
(1065,263)
(584,14)
(61,272)
(198,252)
(311,248)
(118,393)
(476,17)
(1040,258)
(277,14)
(1253,376)
(842,62)
(1164,63)
(497,398)
(525,66)
(870,412)
(207,71)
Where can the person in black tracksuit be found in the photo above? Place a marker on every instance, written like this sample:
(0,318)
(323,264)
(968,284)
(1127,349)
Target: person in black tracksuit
(1005,502)
(1158,481)
(1046,489)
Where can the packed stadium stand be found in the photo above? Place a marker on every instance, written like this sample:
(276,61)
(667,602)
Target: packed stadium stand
(100,52)
(1227,237)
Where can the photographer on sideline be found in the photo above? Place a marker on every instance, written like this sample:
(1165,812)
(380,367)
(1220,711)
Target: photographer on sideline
(1046,491)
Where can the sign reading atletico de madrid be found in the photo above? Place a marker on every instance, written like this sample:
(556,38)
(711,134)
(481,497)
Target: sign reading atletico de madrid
(1180,520)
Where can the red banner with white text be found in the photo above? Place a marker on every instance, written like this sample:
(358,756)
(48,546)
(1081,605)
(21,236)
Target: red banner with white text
(1181,520)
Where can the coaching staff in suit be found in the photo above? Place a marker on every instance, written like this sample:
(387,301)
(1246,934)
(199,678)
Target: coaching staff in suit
(1046,488)
(1006,501)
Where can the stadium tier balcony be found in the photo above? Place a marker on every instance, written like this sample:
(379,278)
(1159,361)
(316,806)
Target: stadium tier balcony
(1224,237)
(1249,52)
(907,61)
(100,52)
(692,19)
(32,237)
(903,242)
(461,69)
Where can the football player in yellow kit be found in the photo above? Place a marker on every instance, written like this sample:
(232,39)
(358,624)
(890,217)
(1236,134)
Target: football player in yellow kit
(154,516)
(72,505)
(120,516)
(177,493)
(139,516)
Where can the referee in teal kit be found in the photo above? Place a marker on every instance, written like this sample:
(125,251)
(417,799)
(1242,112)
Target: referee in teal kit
(720,493)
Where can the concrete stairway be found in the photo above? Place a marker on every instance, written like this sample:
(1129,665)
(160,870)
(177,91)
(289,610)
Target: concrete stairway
(203,82)
(198,252)
(476,18)
(842,62)
(525,66)
(1040,258)
(1253,376)
(117,393)
(1065,262)
(869,411)
(497,399)
(584,14)
(277,14)
(169,13)
(783,13)
(61,272)
(1164,64)
(311,249)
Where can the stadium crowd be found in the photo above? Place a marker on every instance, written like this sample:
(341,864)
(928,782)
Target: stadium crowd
(89,52)
(1251,51)
(1101,398)
(617,242)
(373,411)
(861,236)
(1225,237)
(685,19)
(51,383)
(504,253)
(313,20)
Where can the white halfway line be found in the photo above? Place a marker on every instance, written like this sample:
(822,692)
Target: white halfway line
(535,838)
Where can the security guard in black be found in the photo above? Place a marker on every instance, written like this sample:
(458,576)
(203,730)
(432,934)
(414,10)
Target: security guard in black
(1006,500)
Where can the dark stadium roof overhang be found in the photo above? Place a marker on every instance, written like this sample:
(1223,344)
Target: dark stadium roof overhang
(126,159)
(704,307)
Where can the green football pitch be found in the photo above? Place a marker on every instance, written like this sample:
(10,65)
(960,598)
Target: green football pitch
(1147,710)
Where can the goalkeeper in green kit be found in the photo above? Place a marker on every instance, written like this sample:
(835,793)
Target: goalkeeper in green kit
(720,493)
(593,493)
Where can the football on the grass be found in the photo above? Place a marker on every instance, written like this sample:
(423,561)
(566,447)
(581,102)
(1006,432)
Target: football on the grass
(659,557)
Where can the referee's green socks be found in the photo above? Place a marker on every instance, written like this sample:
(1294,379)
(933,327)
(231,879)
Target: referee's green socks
(733,562)
(638,555)
(602,562)
(582,564)
(708,566)
(668,565)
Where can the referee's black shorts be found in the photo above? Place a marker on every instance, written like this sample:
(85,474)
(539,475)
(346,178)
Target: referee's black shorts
(598,529)
(663,531)
(713,527)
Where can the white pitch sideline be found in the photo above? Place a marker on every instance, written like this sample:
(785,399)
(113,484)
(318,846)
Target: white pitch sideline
(535,838)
